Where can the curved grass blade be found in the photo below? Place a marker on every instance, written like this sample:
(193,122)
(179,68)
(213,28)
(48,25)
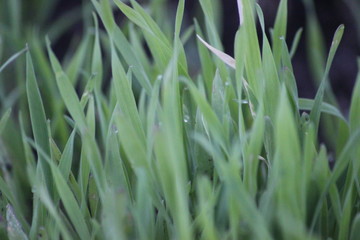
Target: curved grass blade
(316,110)
(230,61)
(295,42)
(308,104)
(13,58)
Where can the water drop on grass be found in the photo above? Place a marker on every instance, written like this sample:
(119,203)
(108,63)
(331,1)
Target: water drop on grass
(186,119)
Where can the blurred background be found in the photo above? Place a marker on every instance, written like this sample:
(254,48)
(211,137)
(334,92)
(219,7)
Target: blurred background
(62,20)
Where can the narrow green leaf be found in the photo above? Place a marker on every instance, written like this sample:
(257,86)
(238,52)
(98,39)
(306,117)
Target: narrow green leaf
(74,66)
(296,41)
(252,153)
(124,93)
(355,104)
(179,18)
(308,104)
(346,216)
(253,56)
(66,156)
(12,58)
(206,205)
(315,112)
(355,228)
(285,172)
(46,200)
(209,115)
(340,166)
(279,31)
(67,91)
(272,83)
(67,197)
(38,119)
(121,43)
(96,62)
(287,75)
(4,120)
(207,65)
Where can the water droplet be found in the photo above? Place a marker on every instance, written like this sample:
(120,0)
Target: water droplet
(186,118)
(114,129)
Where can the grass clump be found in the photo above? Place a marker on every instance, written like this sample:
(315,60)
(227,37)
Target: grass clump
(117,143)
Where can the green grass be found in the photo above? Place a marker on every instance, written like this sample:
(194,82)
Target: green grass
(114,143)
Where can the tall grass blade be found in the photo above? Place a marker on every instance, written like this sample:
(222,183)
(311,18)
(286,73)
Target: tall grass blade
(315,112)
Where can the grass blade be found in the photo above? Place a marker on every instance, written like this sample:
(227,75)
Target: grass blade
(4,120)
(38,119)
(315,112)
(12,58)
(355,104)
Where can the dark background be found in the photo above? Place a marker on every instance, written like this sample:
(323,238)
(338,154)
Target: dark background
(331,13)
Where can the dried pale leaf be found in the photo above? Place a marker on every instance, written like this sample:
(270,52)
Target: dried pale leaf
(223,56)
(14,228)
(241,14)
